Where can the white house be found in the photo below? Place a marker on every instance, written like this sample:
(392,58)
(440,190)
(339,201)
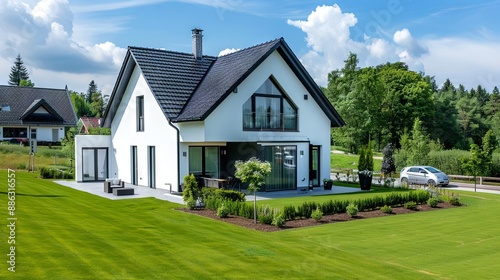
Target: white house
(35,113)
(172,114)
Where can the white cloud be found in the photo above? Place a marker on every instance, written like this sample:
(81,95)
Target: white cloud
(43,35)
(227,51)
(328,36)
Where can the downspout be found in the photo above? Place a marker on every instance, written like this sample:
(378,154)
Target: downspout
(178,154)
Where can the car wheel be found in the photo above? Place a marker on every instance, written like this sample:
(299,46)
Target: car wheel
(431,183)
(404,181)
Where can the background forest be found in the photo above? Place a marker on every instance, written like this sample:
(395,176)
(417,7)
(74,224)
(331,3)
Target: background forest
(389,103)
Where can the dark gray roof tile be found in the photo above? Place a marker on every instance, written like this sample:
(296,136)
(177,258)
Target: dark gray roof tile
(23,100)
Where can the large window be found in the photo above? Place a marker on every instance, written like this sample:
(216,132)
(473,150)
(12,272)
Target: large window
(269,109)
(283,167)
(15,132)
(204,161)
(140,113)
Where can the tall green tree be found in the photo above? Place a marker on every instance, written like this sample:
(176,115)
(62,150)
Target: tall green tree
(82,108)
(407,96)
(18,72)
(91,90)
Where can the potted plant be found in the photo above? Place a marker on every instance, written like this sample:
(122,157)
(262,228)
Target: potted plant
(327,183)
(365,167)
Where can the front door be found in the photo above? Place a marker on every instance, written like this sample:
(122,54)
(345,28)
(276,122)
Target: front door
(314,164)
(94,164)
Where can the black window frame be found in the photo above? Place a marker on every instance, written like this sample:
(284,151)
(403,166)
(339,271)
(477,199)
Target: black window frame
(282,97)
(140,113)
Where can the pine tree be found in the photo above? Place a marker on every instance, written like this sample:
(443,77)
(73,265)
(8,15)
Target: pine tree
(91,90)
(18,72)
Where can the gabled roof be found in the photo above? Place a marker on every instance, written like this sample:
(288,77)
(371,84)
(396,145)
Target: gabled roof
(23,103)
(88,122)
(187,89)
(171,76)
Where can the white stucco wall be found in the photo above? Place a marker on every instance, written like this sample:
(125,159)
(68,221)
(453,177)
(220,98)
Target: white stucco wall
(225,122)
(94,141)
(157,132)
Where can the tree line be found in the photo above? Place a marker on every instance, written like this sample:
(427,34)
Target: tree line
(383,104)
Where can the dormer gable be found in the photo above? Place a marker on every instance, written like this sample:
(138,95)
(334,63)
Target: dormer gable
(40,111)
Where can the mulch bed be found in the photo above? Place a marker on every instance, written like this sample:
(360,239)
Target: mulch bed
(298,223)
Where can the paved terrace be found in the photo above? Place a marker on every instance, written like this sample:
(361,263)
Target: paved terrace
(96,188)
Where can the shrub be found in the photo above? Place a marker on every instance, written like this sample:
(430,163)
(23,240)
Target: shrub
(433,202)
(191,190)
(455,200)
(305,209)
(54,173)
(230,195)
(265,215)
(328,207)
(265,219)
(222,211)
(317,214)
(289,212)
(278,220)
(386,209)
(191,203)
(411,205)
(352,210)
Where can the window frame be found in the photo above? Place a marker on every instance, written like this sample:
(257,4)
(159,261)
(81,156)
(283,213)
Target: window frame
(139,113)
(282,97)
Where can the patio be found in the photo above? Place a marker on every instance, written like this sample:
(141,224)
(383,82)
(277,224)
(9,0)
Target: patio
(96,188)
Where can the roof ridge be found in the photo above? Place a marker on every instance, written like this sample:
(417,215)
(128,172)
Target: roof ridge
(13,86)
(167,51)
(255,46)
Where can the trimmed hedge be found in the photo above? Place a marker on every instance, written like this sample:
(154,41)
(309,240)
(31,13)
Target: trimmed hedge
(54,173)
(305,210)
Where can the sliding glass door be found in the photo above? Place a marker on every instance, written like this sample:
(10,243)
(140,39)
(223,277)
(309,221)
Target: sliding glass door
(283,167)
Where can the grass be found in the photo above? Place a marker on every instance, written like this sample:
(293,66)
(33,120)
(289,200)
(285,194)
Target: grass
(62,233)
(350,161)
(17,157)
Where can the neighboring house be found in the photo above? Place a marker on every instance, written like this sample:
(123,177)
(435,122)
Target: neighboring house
(35,113)
(86,123)
(172,114)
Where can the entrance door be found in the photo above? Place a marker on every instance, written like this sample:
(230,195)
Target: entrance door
(152,167)
(133,165)
(314,164)
(94,164)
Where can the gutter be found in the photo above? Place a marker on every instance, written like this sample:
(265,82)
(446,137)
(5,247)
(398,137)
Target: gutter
(178,153)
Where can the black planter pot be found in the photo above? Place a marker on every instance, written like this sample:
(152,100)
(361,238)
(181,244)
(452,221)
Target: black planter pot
(365,181)
(328,185)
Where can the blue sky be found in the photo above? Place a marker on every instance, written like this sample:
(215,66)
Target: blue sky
(73,42)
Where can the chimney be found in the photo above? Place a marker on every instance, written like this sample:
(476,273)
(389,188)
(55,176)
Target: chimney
(197,44)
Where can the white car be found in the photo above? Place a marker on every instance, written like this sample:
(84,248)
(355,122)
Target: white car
(423,175)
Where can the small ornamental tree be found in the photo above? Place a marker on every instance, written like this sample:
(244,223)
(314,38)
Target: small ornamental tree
(253,172)
(362,159)
(477,164)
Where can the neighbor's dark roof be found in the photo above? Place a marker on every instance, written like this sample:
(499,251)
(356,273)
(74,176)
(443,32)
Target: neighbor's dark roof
(23,101)
(189,90)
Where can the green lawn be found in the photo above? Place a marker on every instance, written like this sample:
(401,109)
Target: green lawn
(66,234)
(350,161)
